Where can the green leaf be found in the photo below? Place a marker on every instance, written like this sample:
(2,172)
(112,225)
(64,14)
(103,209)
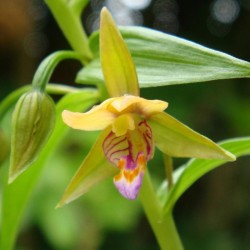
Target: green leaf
(16,195)
(163,59)
(117,65)
(93,169)
(186,175)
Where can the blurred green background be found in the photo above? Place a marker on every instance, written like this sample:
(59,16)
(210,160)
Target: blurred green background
(215,212)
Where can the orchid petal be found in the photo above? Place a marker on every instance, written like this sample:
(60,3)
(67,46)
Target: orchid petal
(95,119)
(149,107)
(117,65)
(138,104)
(175,139)
(94,169)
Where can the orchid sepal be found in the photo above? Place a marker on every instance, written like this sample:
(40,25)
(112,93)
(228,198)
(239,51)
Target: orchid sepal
(94,169)
(176,139)
(117,65)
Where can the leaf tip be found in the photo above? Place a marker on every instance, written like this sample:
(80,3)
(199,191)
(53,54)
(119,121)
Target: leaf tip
(230,156)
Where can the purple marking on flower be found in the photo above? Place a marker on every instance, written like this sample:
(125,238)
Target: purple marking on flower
(128,182)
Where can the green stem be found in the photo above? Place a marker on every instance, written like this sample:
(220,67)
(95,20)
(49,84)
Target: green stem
(168,163)
(70,23)
(78,5)
(47,66)
(163,226)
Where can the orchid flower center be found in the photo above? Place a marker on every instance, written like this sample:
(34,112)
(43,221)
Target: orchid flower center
(130,152)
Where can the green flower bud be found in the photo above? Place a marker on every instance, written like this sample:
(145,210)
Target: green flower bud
(32,123)
(4,146)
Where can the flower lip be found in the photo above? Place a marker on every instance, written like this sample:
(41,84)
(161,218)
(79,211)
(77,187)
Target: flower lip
(130,152)
(129,180)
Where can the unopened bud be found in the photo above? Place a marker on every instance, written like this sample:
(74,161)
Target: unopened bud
(32,123)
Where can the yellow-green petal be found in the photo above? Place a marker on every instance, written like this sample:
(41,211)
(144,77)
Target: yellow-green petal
(95,119)
(175,139)
(94,169)
(117,65)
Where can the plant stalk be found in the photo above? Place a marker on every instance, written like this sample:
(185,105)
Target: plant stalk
(168,162)
(163,226)
(70,23)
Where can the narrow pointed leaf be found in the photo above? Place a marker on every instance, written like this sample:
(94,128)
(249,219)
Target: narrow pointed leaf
(176,139)
(162,59)
(117,65)
(186,175)
(94,169)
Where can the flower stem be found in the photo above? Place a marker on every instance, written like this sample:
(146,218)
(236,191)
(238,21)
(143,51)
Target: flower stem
(162,225)
(47,67)
(168,162)
(70,23)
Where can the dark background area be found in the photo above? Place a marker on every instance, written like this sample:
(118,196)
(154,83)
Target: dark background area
(215,212)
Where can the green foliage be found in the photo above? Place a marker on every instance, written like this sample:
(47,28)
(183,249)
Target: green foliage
(163,59)
(187,174)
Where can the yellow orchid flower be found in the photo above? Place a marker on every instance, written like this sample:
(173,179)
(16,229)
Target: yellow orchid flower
(132,126)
